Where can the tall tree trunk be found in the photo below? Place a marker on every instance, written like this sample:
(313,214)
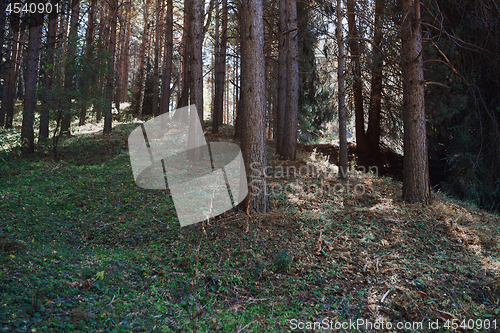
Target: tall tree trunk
(144,78)
(186,56)
(196,67)
(220,65)
(98,79)
(375,110)
(416,186)
(141,76)
(2,39)
(167,63)
(240,109)
(27,130)
(126,58)
(156,72)
(21,82)
(118,70)
(253,143)
(268,50)
(108,116)
(19,87)
(47,97)
(343,167)
(215,78)
(70,70)
(222,60)
(361,142)
(9,62)
(89,38)
(292,91)
(9,94)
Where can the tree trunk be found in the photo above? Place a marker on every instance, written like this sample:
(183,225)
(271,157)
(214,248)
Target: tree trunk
(361,142)
(292,78)
(343,163)
(47,96)
(140,78)
(71,69)
(240,109)
(9,94)
(216,53)
(126,57)
(196,67)
(156,70)
(118,70)
(416,186)
(27,131)
(167,63)
(19,88)
(9,64)
(375,110)
(268,55)
(186,56)
(108,116)
(2,38)
(253,143)
(222,59)
(98,78)
(220,65)
(89,38)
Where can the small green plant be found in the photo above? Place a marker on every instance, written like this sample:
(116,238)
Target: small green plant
(214,284)
(192,310)
(283,261)
(259,269)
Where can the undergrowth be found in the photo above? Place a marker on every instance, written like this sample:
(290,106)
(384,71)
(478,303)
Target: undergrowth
(82,248)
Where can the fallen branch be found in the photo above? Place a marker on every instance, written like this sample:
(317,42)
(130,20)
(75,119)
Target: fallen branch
(62,300)
(385,295)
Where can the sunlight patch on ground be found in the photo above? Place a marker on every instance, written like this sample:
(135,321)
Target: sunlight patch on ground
(387,205)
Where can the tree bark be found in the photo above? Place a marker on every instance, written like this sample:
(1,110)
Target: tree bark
(292,88)
(119,48)
(196,67)
(27,131)
(19,87)
(167,63)
(215,108)
(375,110)
(8,65)
(253,130)
(47,97)
(416,186)
(138,95)
(220,74)
(2,39)
(100,80)
(343,162)
(70,70)
(222,59)
(186,56)
(89,59)
(156,69)
(240,109)
(361,142)
(126,57)
(268,55)
(108,116)
(9,94)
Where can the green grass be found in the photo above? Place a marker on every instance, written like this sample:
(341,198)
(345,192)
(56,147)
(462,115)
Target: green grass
(83,249)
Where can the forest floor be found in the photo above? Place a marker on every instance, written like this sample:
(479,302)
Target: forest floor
(82,248)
